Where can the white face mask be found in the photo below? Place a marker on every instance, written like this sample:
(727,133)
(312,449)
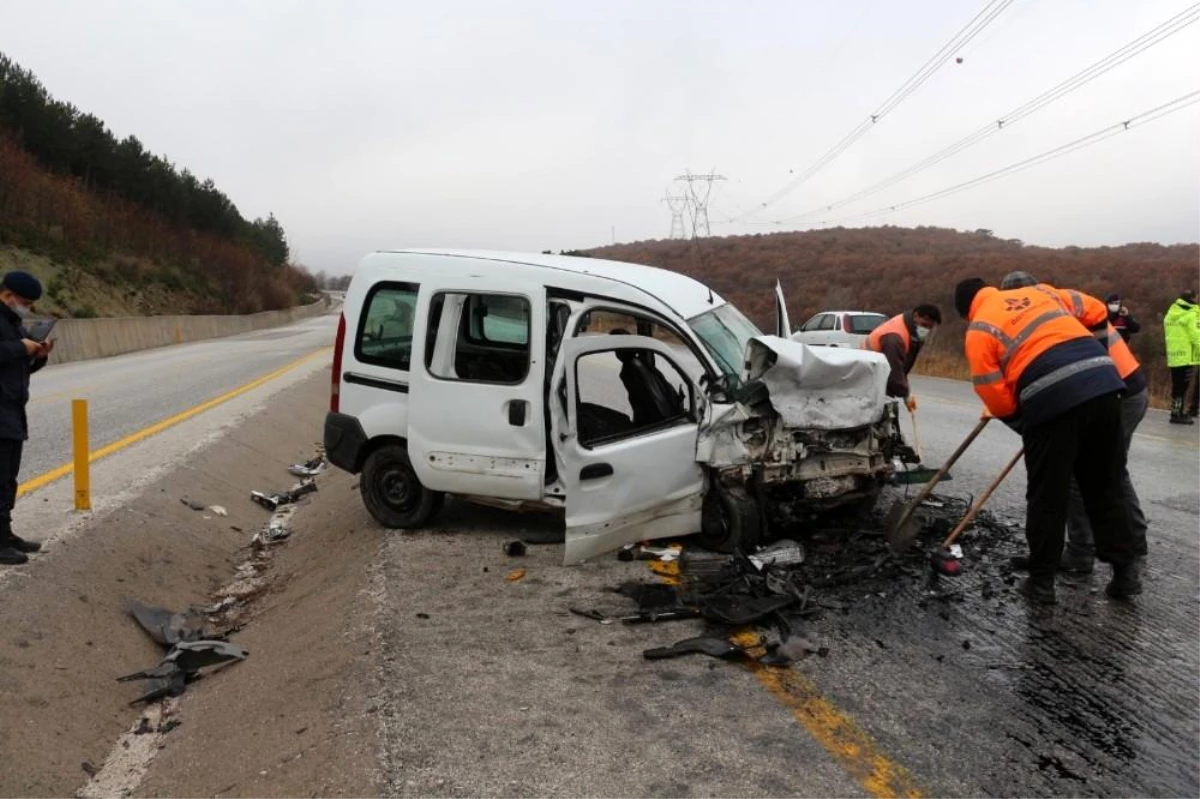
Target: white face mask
(1114,307)
(923,333)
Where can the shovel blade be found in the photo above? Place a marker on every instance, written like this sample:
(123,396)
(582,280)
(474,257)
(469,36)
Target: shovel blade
(899,536)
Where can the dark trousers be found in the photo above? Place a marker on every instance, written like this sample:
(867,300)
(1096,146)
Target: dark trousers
(1085,443)
(10,466)
(1180,375)
(1080,541)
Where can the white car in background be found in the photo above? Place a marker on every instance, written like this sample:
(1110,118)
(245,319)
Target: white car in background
(838,328)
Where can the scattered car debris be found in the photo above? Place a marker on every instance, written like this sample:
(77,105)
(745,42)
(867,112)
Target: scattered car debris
(643,552)
(277,529)
(193,505)
(219,510)
(273,501)
(166,627)
(776,589)
(514,575)
(309,468)
(182,665)
(515,549)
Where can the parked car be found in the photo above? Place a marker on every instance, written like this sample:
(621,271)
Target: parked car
(634,399)
(838,328)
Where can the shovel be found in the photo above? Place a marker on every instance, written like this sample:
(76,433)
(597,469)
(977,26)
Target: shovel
(940,561)
(902,528)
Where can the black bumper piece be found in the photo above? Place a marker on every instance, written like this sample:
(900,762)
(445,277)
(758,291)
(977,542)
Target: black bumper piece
(344,441)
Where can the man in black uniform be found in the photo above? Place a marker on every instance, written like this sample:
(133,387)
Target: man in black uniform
(20,357)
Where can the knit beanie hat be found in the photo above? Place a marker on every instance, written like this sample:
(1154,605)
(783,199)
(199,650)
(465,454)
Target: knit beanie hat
(23,284)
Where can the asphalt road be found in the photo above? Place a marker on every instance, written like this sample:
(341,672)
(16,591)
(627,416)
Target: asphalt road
(951,689)
(130,392)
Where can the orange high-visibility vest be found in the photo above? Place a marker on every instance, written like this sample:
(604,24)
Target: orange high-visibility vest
(1008,330)
(895,325)
(1093,313)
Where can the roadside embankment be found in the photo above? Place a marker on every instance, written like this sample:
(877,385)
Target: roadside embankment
(84,339)
(245,729)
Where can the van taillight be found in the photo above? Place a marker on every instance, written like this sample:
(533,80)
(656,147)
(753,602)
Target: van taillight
(335,389)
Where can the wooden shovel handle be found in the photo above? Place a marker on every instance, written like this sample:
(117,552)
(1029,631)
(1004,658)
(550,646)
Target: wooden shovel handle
(970,516)
(928,489)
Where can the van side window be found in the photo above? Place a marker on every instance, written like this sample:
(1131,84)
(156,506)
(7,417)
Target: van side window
(627,392)
(483,338)
(386,329)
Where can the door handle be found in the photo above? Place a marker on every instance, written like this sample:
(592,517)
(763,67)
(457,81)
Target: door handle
(594,471)
(516,412)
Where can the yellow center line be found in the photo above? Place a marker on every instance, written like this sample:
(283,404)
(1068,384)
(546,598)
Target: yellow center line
(851,746)
(67,468)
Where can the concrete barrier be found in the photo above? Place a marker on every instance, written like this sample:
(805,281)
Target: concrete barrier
(84,339)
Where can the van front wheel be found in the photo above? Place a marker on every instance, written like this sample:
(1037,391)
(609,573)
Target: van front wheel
(392,492)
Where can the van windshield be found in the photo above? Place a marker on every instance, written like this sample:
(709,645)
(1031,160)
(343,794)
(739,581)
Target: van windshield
(725,333)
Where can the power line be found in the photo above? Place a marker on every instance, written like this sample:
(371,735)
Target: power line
(972,29)
(1109,62)
(1178,104)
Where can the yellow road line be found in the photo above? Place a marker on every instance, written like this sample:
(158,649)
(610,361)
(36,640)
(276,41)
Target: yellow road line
(849,743)
(158,427)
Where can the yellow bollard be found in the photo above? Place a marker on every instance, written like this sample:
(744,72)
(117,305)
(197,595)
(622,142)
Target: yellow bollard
(79,435)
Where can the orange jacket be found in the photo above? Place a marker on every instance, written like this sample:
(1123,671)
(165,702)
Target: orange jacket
(1092,313)
(1009,329)
(895,326)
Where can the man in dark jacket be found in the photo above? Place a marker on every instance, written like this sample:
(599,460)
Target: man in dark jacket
(900,340)
(20,357)
(1120,317)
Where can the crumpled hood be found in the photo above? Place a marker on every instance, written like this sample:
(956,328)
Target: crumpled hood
(821,388)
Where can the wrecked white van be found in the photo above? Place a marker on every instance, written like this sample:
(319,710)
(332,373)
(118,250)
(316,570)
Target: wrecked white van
(633,398)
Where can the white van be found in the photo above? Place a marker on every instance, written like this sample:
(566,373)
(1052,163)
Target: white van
(633,398)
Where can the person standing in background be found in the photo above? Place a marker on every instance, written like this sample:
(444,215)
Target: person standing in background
(1181,329)
(1120,318)
(20,356)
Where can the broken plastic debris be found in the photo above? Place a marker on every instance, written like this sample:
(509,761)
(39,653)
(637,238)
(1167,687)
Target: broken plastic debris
(309,468)
(955,551)
(219,510)
(192,505)
(784,552)
(514,575)
(273,501)
(515,549)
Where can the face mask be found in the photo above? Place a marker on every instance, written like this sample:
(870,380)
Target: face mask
(923,333)
(1114,307)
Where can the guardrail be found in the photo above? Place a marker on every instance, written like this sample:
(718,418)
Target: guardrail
(84,339)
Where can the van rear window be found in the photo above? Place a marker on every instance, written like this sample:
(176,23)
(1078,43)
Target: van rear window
(386,329)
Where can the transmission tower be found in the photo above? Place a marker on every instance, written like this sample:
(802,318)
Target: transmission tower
(678,204)
(698,189)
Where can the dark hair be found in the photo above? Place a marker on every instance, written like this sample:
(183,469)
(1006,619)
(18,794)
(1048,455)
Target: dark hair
(930,311)
(965,292)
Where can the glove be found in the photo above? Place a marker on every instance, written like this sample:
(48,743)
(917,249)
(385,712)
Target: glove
(910,402)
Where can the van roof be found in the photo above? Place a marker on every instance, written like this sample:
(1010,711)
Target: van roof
(688,297)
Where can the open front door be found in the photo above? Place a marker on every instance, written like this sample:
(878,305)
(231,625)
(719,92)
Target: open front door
(783,325)
(624,423)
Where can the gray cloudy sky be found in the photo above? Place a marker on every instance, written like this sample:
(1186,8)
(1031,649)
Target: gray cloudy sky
(532,125)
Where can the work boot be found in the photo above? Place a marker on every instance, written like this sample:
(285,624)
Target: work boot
(1019,563)
(1126,580)
(1076,563)
(12,557)
(20,544)
(1179,418)
(1039,590)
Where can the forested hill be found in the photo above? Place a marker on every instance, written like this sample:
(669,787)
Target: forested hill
(112,228)
(889,269)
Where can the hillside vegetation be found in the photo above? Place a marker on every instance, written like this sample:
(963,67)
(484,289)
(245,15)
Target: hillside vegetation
(114,229)
(891,269)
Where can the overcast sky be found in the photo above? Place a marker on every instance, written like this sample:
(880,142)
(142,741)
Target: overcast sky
(533,125)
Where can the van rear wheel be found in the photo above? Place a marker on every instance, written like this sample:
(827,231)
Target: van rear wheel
(729,519)
(392,492)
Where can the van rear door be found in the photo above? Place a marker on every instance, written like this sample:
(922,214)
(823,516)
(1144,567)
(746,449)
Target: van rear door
(476,408)
(625,418)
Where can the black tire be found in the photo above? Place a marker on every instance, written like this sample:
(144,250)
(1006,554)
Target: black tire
(392,492)
(729,519)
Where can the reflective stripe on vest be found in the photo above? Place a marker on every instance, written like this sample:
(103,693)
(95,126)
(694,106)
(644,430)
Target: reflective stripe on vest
(1011,345)
(1063,373)
(893,326)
